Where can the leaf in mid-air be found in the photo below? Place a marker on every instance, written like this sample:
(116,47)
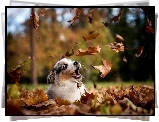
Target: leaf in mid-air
(124,59)
(116,46)
(89,51)
(35,19)
(90,16)
(104,68)
(91,35)
(78,12)
(140,50)
(119,38)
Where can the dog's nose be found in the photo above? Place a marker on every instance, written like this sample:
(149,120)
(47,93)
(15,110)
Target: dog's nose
(75,63)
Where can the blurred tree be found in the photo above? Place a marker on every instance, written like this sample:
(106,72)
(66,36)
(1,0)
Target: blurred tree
(32,50)
(56,37)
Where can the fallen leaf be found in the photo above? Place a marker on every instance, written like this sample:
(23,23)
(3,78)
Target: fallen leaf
(16,73)
(149,29)
(91,35)
(105,68)
(13,107)
(78,12)
(116,46)
(118,37)
(13,91)
(116,109)
(89,51)
(124,59)
(35,19)
(116,18)
(106,24)
(140,51)
(67,54)
(42,11)
(90,16)
(34,97)
(85,97)
(62,102)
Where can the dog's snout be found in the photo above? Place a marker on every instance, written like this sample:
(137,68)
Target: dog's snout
(75,63)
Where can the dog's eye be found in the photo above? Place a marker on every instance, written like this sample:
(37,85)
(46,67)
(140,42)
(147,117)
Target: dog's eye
(75,63)
(64,66)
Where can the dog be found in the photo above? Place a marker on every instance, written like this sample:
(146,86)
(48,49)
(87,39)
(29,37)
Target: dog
(65,81)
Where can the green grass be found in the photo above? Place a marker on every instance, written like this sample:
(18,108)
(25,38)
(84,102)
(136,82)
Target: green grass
(108,84)
(90,84)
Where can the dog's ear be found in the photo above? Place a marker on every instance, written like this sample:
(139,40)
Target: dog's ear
(51,77)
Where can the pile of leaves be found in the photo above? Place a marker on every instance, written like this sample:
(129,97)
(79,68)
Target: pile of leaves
(115,100)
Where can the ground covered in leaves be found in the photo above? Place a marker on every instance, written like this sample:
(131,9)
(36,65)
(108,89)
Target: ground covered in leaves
(114,100)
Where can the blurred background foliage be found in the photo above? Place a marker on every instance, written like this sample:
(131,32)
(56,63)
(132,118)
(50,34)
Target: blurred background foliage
(55,36)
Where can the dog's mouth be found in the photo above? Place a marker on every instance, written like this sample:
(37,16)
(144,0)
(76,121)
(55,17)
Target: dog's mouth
(76,74)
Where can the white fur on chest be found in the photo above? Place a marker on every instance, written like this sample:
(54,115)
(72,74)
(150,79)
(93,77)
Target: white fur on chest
(66,90)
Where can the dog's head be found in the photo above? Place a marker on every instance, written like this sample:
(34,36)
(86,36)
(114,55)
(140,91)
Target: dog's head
(65,69)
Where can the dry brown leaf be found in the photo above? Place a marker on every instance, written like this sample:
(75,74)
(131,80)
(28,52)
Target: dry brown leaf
(15,74)
(149,29)
(116,18)
(124,59)
(42,11)
(116,46)
(62,102)
(106,24)
(78,12)
(104,68)
(35,19)
(140,50)
(89,51)
(67,54)
(13,107)
(90,16)
(34,97)
(91,35)
(85,97)
(118,37)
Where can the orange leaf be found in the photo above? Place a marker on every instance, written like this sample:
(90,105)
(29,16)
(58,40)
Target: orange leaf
(90,15)
(42,11)
(140,50)
(116,46)
(89,51)
(86,96)
(116,18)
(106,24)
(62,102)
(149,29)
(118,37)
(105,68)
(124,59)
(91,35)
(35,19)
(78,12)
(67,54)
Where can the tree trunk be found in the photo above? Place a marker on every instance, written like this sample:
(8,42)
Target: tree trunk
(32,49)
